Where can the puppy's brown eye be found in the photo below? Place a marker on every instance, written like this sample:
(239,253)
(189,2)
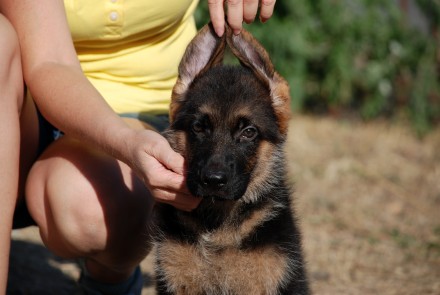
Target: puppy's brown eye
(197,127)
(249,133)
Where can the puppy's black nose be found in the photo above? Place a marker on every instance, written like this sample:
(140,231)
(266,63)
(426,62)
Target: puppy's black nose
(214,179)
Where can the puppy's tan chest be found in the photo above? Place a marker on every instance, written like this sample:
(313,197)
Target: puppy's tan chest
(197,269)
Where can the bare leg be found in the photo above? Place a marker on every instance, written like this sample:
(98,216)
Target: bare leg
(87,204)
(11,96)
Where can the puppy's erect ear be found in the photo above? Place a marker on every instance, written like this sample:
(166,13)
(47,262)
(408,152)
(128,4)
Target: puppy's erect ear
(252,55)
(205,51)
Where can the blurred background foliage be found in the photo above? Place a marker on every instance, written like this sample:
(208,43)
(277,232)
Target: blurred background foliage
(356,57)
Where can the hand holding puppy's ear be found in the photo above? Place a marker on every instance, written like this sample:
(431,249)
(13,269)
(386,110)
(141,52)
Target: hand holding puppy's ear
(237,12)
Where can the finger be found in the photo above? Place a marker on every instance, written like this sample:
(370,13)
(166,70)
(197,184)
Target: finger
(160,177)
(185,202)
(217,15)
(163,152)
(250,8)
(266,10)
(173,161)
(235,15)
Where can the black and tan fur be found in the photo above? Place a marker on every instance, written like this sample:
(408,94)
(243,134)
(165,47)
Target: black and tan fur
(230,124)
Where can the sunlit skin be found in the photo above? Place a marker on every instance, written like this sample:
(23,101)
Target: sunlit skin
(141,170)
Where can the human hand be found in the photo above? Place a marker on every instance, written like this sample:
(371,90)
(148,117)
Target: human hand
(237,12)
(162,170)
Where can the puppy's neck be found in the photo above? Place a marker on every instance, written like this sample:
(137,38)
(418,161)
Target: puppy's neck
(213,213)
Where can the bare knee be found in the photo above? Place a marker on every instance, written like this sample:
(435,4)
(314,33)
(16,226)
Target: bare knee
(69,228)
(93,212)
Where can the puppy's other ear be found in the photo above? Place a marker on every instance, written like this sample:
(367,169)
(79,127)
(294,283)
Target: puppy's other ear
(205,51)
(251,54)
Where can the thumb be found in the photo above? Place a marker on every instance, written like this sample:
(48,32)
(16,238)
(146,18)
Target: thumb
(175,162)
(169,158)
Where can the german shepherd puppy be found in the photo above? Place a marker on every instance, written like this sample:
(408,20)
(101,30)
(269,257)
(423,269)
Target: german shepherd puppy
(230,123)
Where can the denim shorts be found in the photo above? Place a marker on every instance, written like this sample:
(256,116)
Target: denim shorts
(48,134)
(159,122)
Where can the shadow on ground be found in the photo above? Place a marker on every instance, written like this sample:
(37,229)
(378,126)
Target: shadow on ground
(34,270)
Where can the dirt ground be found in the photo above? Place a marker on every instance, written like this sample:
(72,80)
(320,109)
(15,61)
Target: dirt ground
(368,199)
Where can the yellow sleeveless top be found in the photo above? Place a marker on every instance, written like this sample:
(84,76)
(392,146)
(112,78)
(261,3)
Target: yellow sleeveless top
(130,49)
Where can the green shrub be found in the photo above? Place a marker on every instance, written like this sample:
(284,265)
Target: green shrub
(354,56)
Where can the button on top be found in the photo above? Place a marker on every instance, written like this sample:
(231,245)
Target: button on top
(113,1)
(114,16)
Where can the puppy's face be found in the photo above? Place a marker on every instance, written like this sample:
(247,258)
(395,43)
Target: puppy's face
(226,120)
(225,117)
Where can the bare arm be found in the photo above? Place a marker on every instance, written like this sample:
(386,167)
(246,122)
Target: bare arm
(53,74)
(68,100)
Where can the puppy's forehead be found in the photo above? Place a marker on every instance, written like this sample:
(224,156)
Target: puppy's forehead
(228,116)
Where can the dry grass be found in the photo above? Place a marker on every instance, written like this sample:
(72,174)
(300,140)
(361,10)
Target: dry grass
(369,200)
(368,196)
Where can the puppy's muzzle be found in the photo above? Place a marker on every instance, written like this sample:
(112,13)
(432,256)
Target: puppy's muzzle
(213,179)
